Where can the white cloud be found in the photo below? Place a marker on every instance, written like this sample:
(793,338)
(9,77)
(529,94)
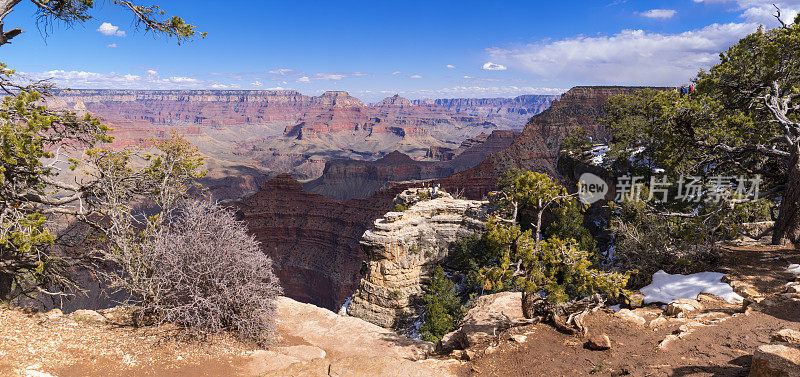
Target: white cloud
(113,45)
(179,79)
(257,83)
(112,80)
(305,79)
(415,76)
(110,30)
(281,71)
(329,76)
(762,11)
(337,76)
(467,77)
(219,86)
(476,91)
(396,73)
(628,57)
(659,13)
(493,67)
(450,66)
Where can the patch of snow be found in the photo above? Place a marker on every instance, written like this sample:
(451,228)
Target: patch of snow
(343,310)
(666,288)
(794,269)
(635,152)
(599,154)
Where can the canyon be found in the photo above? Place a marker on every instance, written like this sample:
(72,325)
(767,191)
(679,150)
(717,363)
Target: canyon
(317,238)
(313,230)
(249,136)
(347,179)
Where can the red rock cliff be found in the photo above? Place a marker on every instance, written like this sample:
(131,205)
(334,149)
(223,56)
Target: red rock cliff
(313,240)
(538,147)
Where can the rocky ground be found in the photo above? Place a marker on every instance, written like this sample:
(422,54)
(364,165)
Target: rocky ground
(718,340)
(709,337)
(310,341)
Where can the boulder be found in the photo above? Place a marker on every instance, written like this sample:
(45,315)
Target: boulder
(745,290)
(278,358)
(449,341)
(598,342)
(119,315)
(518,338)
(630,316)
(636,300)
(380,366)
(683,307)
(89,316)
(318,342)
(775,360)
(786,336)
(793,288)
(490,315)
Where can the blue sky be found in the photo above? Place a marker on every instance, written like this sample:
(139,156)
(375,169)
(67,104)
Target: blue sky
(373,49)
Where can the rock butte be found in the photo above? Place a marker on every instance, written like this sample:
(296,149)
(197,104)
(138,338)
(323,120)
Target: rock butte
(403,248)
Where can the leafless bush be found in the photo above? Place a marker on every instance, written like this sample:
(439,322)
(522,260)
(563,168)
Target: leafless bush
(202,271)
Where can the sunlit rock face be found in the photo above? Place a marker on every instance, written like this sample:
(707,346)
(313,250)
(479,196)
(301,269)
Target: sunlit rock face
(537,148)
(403,248)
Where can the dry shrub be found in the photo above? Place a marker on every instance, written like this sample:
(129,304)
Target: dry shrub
(205,273)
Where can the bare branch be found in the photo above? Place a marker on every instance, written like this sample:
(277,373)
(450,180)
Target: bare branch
(778,16)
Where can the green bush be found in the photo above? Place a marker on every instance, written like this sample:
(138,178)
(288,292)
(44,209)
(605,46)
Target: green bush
(400,207)
(443,307)
(558,268)
(568,224)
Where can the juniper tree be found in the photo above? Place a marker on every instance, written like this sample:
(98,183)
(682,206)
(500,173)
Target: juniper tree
(551,271)
(743,119)
(37,143)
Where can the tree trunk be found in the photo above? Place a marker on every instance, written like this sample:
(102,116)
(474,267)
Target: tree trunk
(6,282)
(787,226)
(531,304)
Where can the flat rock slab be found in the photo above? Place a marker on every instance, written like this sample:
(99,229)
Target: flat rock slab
(319,342)
(357,367)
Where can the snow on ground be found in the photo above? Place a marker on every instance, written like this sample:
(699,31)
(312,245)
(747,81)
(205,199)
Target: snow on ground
(598,154)
(794,269)
(666,288)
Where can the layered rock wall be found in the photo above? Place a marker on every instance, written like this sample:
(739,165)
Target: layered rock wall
(403,248)
(513,112)
(313,240)
(347,179)
(537,148)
